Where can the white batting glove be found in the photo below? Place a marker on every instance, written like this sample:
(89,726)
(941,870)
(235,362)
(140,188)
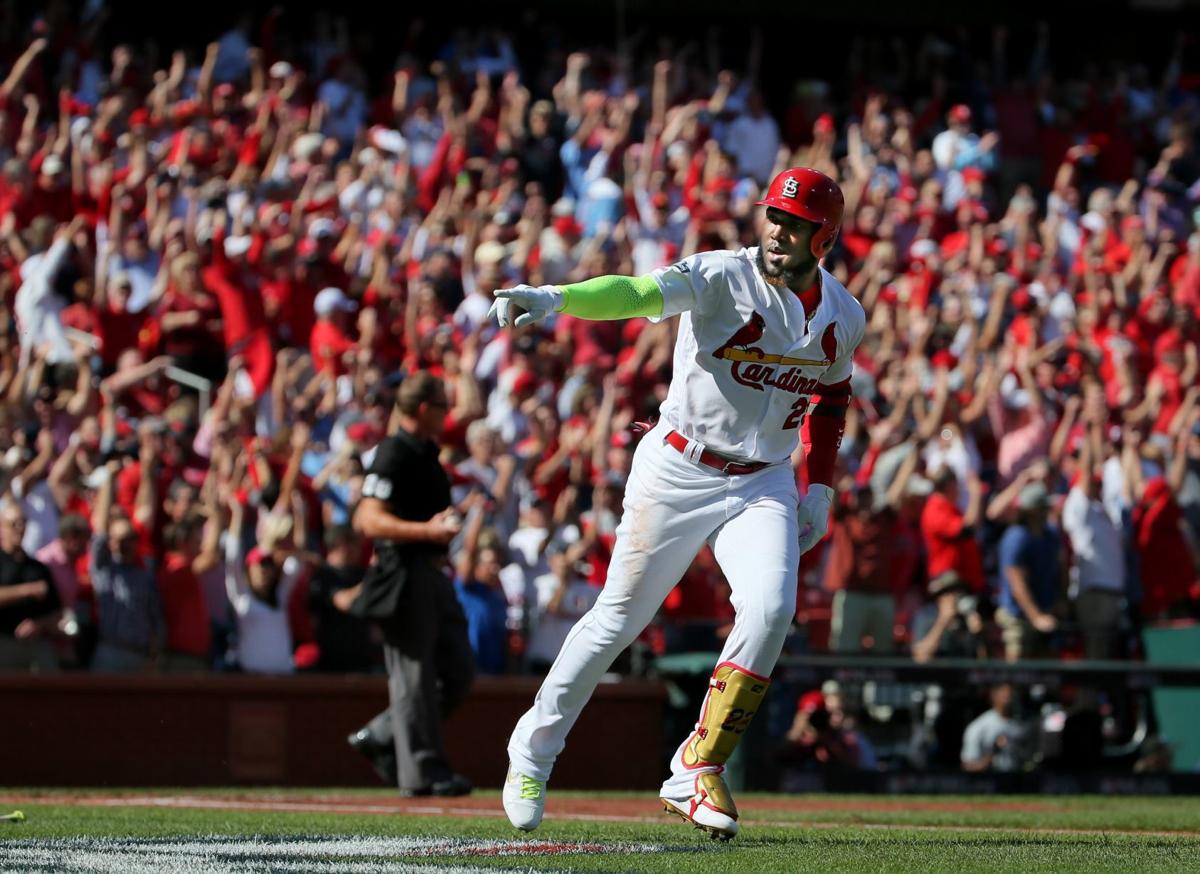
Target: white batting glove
(813,515)
(537,302)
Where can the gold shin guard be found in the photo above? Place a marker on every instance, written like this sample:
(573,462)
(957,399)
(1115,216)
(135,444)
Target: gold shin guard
(712,791)
(734,696)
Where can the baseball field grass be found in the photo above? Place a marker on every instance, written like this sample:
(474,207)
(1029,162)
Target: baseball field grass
(209,831)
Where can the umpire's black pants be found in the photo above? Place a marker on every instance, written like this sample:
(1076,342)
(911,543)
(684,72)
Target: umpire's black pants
(430,668)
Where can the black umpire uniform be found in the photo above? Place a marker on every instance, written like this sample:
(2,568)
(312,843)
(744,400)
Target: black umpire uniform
(428,655)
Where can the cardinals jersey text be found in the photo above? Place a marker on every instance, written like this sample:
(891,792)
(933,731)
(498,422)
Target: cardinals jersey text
(746,358)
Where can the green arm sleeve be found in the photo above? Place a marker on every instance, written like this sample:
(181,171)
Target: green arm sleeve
(612,297)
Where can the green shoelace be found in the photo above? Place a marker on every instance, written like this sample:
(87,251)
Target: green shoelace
(531,790)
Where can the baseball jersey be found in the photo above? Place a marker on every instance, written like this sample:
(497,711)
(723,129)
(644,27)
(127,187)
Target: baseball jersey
(747,359)
(406,475)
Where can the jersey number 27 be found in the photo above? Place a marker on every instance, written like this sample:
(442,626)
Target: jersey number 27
(797,414)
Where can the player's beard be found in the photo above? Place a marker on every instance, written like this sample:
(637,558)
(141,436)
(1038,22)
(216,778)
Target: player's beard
(780,276)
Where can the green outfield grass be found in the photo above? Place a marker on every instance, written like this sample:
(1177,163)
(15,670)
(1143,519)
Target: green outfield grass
(831,833)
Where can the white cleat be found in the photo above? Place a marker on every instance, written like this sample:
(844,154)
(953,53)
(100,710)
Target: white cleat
(710,809)
(524,800)
(720,826)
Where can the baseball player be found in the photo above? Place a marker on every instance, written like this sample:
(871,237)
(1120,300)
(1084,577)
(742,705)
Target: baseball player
(766,338)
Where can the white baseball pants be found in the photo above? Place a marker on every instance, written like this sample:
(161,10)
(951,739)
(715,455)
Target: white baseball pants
(673,505)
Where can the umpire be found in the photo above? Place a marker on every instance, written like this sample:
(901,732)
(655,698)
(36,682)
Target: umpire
(405,510)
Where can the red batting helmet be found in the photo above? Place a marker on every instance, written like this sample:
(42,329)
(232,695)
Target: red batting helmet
(812,196)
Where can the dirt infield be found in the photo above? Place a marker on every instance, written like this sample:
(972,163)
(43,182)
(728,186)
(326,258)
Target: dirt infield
(623,807)
(616,809)
(620,809)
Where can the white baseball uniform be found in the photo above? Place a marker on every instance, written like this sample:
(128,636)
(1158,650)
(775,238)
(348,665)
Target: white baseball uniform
(746,361)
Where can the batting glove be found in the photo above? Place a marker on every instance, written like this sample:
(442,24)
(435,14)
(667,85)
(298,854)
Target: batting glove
(537,302)
(813,515)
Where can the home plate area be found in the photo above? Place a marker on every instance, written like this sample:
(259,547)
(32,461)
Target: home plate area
(331,853)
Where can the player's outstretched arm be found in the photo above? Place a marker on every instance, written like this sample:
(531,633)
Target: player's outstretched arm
(603,298)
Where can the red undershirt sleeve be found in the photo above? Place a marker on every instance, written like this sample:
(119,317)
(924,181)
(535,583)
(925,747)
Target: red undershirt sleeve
(822,432)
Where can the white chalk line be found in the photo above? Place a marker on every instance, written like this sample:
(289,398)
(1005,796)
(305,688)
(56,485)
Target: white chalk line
(322,854)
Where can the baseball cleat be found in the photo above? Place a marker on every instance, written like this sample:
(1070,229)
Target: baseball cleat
(710,809)
(524,800)
(721,829)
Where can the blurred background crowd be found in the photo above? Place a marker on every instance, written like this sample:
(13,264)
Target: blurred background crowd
(218,261)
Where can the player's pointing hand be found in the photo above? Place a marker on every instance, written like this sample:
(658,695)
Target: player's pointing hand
(537,303)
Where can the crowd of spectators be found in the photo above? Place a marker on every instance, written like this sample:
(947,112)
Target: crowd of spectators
(216,266)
